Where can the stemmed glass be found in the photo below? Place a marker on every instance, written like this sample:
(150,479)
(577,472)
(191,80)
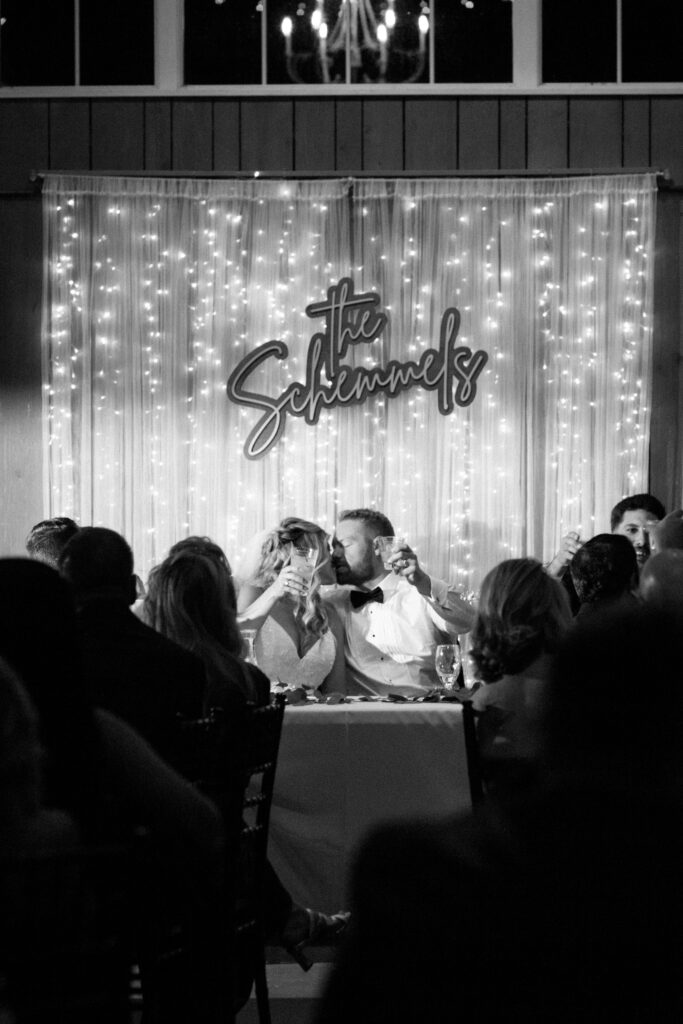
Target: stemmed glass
(248,637)
(447,662)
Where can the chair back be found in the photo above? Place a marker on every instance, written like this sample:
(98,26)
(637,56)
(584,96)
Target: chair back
(473,754)
(232,758)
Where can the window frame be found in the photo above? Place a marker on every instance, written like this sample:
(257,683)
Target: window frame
(526,71)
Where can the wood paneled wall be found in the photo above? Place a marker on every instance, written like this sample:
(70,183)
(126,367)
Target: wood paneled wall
(381,136)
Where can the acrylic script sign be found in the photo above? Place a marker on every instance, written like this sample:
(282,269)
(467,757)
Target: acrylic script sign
(451,370)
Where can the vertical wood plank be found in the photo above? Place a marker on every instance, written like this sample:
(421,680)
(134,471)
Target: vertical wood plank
(117,135)
(192,135)
(314,135)
(158,135)
(383,136)
(636,133)
(665,416)
(547,134)
(349,145)
(267,136)
(21,276)
(478,131)
(70,135)
(431,135)
(226,135)
(595,133)
(667,135)
(24,139)
(513,135)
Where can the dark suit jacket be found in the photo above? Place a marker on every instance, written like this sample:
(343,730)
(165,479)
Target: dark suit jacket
(138,674)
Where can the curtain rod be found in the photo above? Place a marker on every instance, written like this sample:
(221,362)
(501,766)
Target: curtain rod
(663,176)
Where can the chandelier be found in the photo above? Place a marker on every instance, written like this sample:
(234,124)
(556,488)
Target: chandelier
(355,41)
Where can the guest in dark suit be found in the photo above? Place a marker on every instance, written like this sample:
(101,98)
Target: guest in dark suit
(566,905)
(129,668)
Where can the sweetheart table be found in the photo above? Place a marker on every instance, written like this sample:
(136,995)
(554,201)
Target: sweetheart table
(346,767)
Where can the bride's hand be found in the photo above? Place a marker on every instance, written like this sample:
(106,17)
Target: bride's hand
(289,583)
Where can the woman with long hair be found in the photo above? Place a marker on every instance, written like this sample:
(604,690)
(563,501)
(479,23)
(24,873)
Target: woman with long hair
(191,600)
(300,639)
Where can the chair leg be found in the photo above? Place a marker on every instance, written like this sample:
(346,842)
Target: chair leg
(261,988)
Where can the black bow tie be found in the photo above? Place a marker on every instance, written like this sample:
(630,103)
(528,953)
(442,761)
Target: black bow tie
(361,597)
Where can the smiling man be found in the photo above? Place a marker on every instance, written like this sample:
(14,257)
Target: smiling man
(393,618)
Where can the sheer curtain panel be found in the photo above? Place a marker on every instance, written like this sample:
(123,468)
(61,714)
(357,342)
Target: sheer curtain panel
(158,291)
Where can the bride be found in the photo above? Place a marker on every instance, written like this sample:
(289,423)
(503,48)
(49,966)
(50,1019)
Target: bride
(300,640)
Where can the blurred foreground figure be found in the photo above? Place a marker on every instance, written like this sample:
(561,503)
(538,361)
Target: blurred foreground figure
(47,539)
(563,906)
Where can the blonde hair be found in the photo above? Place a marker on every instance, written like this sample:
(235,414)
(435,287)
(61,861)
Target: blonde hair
(276,550)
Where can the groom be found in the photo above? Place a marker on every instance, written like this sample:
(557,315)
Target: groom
(393,619)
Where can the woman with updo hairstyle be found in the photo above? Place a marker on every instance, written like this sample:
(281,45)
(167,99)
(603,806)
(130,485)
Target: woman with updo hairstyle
(191,600)
(522,616)
(299,640)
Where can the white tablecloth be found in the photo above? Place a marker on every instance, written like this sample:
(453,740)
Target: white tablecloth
(343,768)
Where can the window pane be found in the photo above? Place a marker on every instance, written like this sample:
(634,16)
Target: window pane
(117,42)
(307,55)
(652,41)
(579,40)
(222,42)
(37,42)
(473,43)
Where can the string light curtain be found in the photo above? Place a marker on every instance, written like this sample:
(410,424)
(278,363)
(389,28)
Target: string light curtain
(156,289)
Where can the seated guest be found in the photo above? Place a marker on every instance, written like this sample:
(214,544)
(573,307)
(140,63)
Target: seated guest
(191,601)
(604,571)
(130,669)
(523,614)
(394,618)
(661,581)
(551,894)
(668,534)
(102,773)
(47,539)
(633,517)
(300,641)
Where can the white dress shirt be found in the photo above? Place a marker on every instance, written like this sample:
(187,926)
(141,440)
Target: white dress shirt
(389,647)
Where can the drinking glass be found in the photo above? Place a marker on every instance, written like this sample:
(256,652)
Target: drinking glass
(386,547)
(447,663)
(304,561)
(248,637)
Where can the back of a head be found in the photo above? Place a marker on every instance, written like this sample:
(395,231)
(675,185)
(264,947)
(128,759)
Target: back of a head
(661,581)
(604,568)
(191,600)
(377,524)
(668,534)
(201,546)
(615,708)
(522,614)
(98,560)
(634,503)
(47,539)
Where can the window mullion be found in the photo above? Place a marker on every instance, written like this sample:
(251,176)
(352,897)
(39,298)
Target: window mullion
(526,44)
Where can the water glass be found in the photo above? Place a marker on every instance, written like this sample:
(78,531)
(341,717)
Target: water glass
(447,663)
(304,560)
(386,547)
(248,638)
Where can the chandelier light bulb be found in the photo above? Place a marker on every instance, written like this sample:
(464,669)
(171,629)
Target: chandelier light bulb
(316,18)
(287,27)
(423,24)
(382,33)
(390,17)
(322,31)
